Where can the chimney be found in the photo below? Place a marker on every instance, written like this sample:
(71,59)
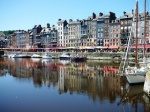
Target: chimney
(48,25)
(70,20)
(124,12)
(147,13)
(100,14)
(93,15)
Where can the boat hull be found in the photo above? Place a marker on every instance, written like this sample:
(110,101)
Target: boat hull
(79,59)
(135,79)
(46,57)
(64,58)
(21,56)
(35,56)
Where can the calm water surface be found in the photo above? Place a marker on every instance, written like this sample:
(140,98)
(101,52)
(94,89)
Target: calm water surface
(28,85)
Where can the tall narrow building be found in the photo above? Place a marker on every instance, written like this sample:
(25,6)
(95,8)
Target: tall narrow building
(74,33)
(60,27)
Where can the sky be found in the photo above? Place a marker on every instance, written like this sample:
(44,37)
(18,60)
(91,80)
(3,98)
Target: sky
(25,14)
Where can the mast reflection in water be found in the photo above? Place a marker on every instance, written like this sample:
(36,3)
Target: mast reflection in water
(54,85)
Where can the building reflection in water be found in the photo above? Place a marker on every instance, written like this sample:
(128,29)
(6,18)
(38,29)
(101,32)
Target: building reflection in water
(97,80)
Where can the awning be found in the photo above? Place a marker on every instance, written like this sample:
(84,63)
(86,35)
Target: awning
(105,47)
(113,47)
(82,47)
(98,47)
(70,47)
(89,47)
(140,46)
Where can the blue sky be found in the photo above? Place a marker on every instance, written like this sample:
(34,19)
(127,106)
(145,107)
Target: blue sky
(24,14)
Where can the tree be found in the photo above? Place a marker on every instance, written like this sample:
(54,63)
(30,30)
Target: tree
(8,32)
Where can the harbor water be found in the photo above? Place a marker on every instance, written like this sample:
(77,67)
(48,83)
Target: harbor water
(53,85)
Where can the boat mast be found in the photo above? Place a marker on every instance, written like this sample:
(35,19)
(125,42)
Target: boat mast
(136,55)
(129,39)
(144,55)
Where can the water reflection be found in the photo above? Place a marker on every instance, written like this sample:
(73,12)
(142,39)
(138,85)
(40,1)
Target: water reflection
(133,99)
(96,79)
(73,77)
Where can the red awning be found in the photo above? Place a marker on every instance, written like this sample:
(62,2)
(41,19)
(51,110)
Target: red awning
(140,46)
(105,47)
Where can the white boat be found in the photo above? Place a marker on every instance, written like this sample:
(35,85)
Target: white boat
(65,56)
(5,55)
(20,55)
(64,62)
(36,56)
(135,79)
(136,71)
(47,56)
(11,55)
(135,75)
(35,59)
(17,55)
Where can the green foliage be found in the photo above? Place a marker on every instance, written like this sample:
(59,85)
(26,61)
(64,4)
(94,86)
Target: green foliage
(8,32)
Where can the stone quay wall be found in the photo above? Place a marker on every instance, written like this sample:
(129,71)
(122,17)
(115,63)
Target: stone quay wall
(89,55)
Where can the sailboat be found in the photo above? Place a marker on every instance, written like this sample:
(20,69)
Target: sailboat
(136,75)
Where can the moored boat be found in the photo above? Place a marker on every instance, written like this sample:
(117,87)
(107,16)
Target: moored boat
(65,56)
(47,56)
(20,55)
(135,79)
(36,56)
(79,59)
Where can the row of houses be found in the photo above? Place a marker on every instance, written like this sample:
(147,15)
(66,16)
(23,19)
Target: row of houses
(97,30)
